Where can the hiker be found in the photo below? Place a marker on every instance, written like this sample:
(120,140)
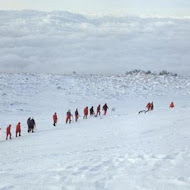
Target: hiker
(68,116)
(28,120)
(76,115)
(105,107)
(148,106)
(98,110)
(8,132)
(31,124)
(18,129)
(92,110)
(171,105)
(85,112)
(55,119)
(151,106)
(28,123)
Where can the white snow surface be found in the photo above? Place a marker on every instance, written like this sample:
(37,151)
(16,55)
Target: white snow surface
(119,151)
(63,42)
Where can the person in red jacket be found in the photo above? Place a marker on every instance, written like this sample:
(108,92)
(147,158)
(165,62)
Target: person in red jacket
(8,132)
(171,105)
(98,110)
(55,119)
(68,116)
(148,106)
(85,112)
(18,129)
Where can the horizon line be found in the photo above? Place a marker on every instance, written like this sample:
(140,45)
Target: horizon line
(93,14)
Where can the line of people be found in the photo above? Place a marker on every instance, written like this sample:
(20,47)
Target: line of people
(31,125)
(17,131)
(31,122)
(69,116)
(150,106)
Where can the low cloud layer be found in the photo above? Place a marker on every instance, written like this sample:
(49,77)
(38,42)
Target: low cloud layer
(61,42)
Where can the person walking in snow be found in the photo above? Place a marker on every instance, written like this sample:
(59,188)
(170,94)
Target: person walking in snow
(105,108)
(152,106)
(92,110)
(98,110)
(148,106)
(8,132)
(28,123)
(55,119)
(28,120)
(18,129)
(85,112)
(31,124)
(171,105)
(76,115)
(68,116)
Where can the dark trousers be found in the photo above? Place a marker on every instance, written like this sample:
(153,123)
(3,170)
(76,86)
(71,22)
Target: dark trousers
(19,133)
(8,135)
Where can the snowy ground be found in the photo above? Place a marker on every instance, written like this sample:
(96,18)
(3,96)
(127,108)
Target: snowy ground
(122,150)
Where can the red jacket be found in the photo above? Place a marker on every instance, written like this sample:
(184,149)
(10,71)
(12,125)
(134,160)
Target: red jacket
(171,105)
(55,117)
(86,111)
(8,131)
(18,128)
(69,115)
(148,106)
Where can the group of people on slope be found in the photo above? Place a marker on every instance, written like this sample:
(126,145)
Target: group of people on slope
(86,111)
(8,131)
(150,106)
(30,122)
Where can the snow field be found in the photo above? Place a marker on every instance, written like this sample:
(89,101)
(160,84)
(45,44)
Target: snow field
(114,152)
(122,150)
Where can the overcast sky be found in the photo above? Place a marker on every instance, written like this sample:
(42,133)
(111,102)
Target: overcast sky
(120,7)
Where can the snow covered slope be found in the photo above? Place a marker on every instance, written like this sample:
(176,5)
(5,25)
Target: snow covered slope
(122,150)
(62,42)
